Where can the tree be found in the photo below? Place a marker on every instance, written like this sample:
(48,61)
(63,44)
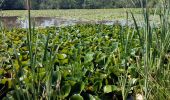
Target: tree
(12,4)
(72,4)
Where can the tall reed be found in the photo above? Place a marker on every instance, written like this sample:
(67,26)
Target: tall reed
(154,68)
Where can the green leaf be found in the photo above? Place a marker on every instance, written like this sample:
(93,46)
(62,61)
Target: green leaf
(65,90)
(91,97)
(114,46)
(9,80)
(2,71)
(100,57)
(89,57)
(61,56)
(109,88)
(64,61)
(76,97)
(78,87)
(65,50)
(97,86)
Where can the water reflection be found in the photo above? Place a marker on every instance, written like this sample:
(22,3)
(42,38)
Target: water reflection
(17,22)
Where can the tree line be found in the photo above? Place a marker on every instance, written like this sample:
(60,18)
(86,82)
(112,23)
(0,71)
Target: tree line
(73,4)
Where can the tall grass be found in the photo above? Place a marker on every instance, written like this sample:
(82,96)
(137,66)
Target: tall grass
(155,72)
(33,89)
(47,62)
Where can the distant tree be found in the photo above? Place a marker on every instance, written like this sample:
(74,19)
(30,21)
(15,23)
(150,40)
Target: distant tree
(68,4)
(74,4)
(12,4)
(79,4)
(90,4)
(35,4)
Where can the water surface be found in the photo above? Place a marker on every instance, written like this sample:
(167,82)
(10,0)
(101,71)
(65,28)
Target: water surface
(18,22)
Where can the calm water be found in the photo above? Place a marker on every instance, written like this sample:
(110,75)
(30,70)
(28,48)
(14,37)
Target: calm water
(16,22)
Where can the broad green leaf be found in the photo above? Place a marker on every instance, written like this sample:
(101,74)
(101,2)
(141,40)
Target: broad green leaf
(64,61)
(9,80)
(65,50)
(109,88)
(78,87)
(76,97)
(91,97)
(61,56)
(65,90)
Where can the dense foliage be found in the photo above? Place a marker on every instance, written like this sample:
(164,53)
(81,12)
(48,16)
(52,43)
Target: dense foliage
(72,4)
(89,62)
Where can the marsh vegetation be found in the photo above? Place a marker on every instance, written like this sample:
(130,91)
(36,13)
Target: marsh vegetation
(88,61)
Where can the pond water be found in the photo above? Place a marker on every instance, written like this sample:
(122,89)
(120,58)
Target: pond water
(18,22)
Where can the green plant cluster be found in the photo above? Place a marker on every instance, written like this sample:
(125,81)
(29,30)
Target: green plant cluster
(89,62)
